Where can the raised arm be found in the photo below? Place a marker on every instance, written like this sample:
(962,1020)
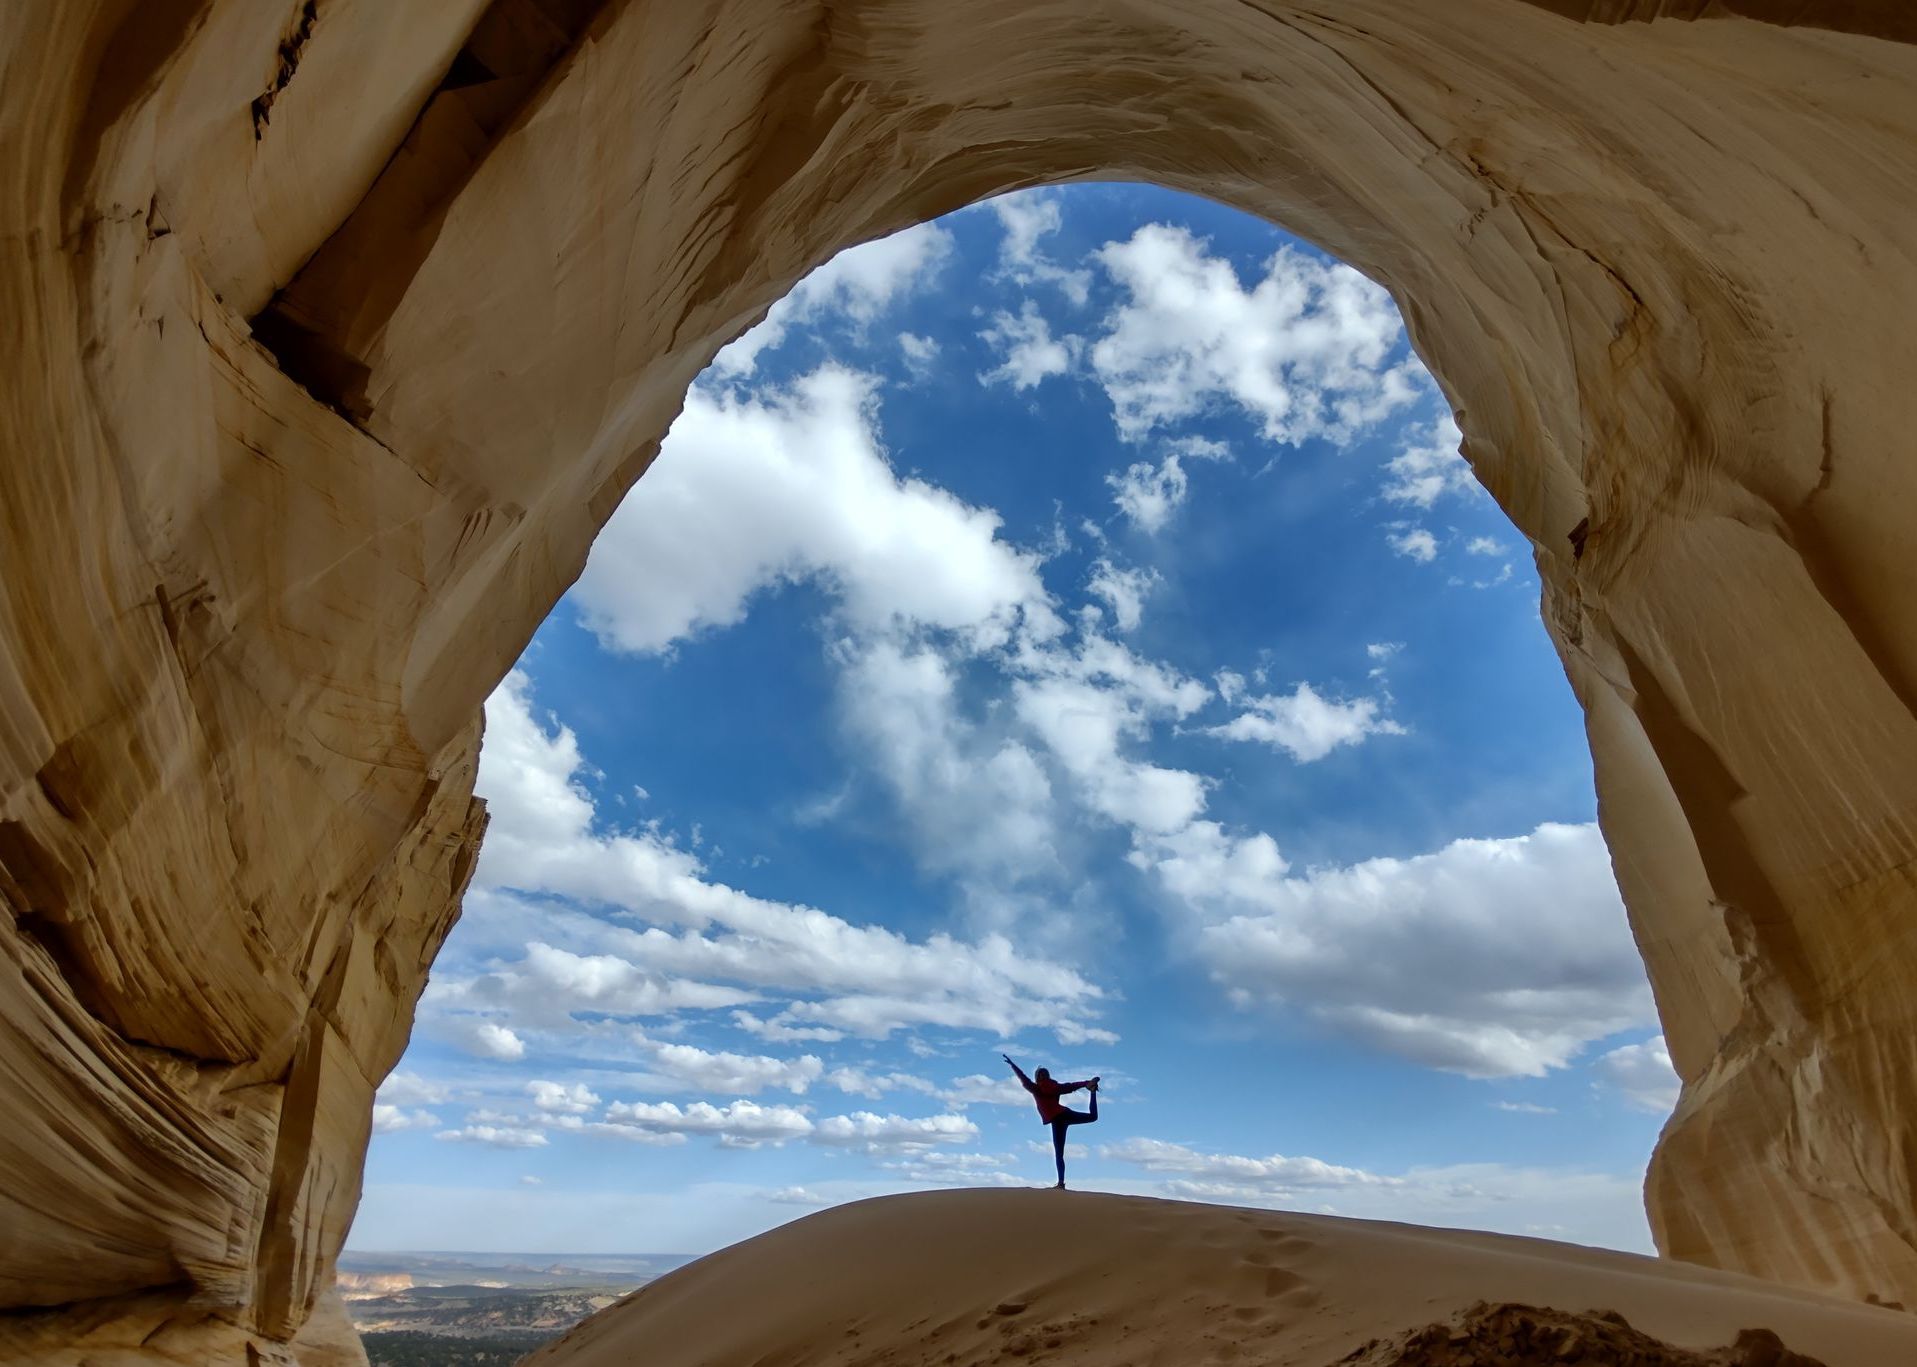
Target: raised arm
(1020,1071)
(1064,1087)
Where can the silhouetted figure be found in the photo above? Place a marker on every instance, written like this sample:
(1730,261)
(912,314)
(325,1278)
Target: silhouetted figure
(1045,1094)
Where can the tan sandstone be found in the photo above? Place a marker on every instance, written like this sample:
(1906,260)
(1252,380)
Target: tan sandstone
(334,330)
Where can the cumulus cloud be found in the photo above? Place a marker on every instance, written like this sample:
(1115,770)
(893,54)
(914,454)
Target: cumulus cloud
(1484,545)
(799,1196)
(1275,1174)
(858,285)
(893,1133)
(677,940)
(1031,353)
(747,1124)
(977,795)
(1123,590)
(561,1098)
(1306,725)
(1414,543)
(1491,958)
(1027,216)
(739,1123)
(410,1089)
(701,1070)
(1603,1207)
(1642,1074)
(1423,473)
(389,1119)
(496,1136)
(977,1089)
(489,1039)
(778,1032)
(788,485)
(954,1169)
(920,353)
(862,1082)
(1306,352)
(1149,494)
(1084,725)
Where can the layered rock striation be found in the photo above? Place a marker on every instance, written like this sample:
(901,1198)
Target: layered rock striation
(336,328)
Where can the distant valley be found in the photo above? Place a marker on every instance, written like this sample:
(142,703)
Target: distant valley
(471,1309)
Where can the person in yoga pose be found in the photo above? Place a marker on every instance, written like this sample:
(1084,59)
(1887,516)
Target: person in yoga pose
(1045,1094)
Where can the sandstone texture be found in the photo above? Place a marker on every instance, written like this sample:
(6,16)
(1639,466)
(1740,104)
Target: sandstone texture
(992,1278)
(335,328)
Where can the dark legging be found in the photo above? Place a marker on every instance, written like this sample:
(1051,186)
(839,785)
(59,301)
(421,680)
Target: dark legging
(1063,1121)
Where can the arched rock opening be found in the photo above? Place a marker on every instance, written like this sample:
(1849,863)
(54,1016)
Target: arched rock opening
(337,328)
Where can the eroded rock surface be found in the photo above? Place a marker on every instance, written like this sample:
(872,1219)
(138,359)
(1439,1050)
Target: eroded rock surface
(1533,1336)
(335,328)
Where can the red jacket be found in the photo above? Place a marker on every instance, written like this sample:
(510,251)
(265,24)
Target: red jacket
(1045,1094)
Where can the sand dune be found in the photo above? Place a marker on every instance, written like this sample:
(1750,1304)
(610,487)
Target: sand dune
(973,1277)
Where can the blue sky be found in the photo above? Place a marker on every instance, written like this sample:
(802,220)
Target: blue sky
(1066,628)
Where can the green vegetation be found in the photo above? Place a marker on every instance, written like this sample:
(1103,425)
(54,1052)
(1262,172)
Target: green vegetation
(410,1348)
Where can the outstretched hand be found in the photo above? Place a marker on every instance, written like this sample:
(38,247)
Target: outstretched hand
(1008,1059)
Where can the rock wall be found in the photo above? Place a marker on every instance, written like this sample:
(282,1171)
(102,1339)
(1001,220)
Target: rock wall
(336,328)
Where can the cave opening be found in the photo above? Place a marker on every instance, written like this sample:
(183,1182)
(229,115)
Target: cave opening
(321,417)
(1064,627)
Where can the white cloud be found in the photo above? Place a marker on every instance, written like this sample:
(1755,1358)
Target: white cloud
(978,797)
(561,1098)
(1084,724)
(1525,1108)
(1306,725)
(861,1082)
(1027,216)
(976,1089)
(1591,1207)
(681,941)
(790,485)
(1031,353)
(1643,1073)
(1424,473)
(747,1124)
(700,1070)
(858,284)
(1383,650)
(954,1169)
(775,1032)
(390,1119)
(1487,957)
(1414,544)
(548,984)
(919,352)
(1271,1175)
(489,1039)
(496,1136)
(410,1089)
(1306,352)
(800,1196)
(893,1133)
(740,1122)
(1124,591)
(1149,494)
(1230,684)
(1484,545)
